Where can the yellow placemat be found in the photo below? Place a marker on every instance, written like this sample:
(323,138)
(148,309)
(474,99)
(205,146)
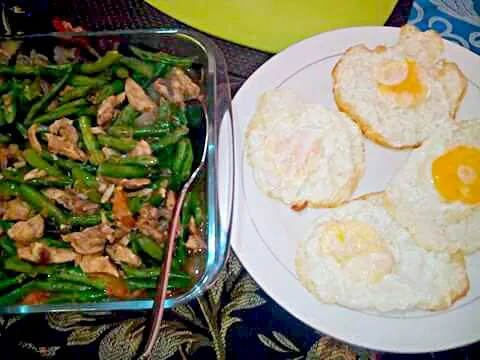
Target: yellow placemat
(272,25)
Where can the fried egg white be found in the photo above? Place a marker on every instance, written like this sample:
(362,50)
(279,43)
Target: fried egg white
(437,193)
(303,154)
(358,256)
(400,94)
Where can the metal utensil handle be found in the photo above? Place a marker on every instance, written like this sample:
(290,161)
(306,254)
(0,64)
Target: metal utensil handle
(161,292)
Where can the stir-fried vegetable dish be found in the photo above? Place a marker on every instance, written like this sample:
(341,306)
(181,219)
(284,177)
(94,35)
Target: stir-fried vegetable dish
(92,153)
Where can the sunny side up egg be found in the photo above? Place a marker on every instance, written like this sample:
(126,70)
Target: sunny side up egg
(359,257)
(399,95)
(303,154)
(436,195)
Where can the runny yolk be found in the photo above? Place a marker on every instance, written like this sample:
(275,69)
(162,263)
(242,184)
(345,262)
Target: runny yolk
(410,86)
(456,174)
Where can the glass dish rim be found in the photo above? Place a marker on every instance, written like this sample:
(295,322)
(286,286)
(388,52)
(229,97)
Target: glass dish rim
(218,236)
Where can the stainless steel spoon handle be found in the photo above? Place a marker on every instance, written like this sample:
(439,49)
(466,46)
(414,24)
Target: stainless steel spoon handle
(161,292)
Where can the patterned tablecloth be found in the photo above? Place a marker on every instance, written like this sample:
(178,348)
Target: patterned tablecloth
(235,319)
(455,20)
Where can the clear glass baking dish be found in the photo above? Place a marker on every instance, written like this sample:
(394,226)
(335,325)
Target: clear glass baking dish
(219,197)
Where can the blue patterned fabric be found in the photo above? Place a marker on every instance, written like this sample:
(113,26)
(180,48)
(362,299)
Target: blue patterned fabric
(456,20)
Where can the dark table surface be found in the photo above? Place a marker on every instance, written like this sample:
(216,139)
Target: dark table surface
(235,319)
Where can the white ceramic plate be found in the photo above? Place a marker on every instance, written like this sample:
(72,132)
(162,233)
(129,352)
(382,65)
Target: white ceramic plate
(265,232)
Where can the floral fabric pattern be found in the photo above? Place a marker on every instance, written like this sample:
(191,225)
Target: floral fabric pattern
(233,320)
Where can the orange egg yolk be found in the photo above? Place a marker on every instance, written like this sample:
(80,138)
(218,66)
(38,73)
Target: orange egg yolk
(456,175)
(410,87)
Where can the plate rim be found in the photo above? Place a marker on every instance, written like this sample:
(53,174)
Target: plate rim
(239,221)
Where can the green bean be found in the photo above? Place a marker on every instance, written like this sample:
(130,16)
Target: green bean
(8,189)
(186,210)
(34,70)
(141,273)
(17,265)
(60,286)
(198,214)
(156,200)
(110,58)
(8,246)
(180,255)
(44,101)
(159,184)
(86,182)
(5,139)
(120,71)
(141,80)
(8,282)
(161,57)
(113,88)
(13,175)
(3,121)
(192,207)
(70,164)
(90,219)
(58,182)
(54,70)
(149,247)
(172,138)
(84,177)
(88,111)
(139,284)
(179,117)
(74,93)
(122,171)
(33,90)
(151,131)
(96,156)
(118,131)
(6,224)
(84,297)
(182,164)
(138,66)
(10,106)
(126,117)
(135,247)
(68,109)
(21,129)
(15,295)
(39,202)
(186,169)
(120,144)
(153,273)
(142,160)
(86,220)
(74,104)
(135,204)
(56,243)
(4,86)
(82,80)
(78,276)
(36,161)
